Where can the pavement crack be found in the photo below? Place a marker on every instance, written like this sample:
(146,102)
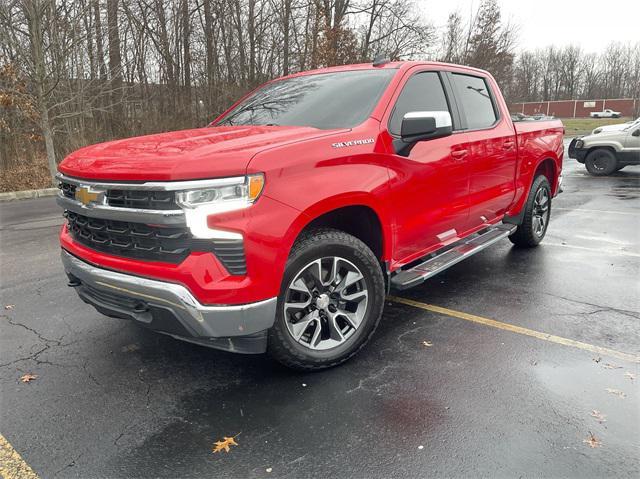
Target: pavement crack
(361,382)
(89,374)
(600,308)
(24,326)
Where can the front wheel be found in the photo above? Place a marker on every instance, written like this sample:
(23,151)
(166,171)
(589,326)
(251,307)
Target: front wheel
(330,301)
(601,162)
(536,215)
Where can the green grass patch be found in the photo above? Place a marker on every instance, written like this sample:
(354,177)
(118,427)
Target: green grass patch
(584,126)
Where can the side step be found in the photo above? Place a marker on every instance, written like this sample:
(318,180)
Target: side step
(462,250)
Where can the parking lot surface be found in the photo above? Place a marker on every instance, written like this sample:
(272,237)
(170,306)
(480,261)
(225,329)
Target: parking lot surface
(513,363)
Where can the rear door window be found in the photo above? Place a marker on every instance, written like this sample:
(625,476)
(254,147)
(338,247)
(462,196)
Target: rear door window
(473,94)
(422,92)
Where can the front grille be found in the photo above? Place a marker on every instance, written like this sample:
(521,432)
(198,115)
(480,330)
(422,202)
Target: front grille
(133,240)
(140,199)
(149,200)
(156,243)
(68,190)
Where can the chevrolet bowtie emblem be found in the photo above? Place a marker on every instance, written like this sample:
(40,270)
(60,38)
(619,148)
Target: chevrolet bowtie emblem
(85,196)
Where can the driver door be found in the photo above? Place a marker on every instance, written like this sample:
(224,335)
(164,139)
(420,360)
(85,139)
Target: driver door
(430,186)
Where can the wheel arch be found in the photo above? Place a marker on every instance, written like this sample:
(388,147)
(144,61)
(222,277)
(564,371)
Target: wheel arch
(357,214)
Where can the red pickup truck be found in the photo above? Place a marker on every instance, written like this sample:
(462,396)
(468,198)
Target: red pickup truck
(281,226)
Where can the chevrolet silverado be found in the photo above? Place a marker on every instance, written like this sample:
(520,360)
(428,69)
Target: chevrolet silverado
(282,225)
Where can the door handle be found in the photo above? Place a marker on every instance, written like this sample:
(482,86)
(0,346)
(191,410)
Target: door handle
(507,145)
(458,154)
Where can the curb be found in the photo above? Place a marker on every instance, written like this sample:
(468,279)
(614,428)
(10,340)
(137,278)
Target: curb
(27,194)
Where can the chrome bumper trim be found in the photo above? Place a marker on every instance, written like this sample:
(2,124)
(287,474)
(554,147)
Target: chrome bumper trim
(133,215)
(150,185)
(203,321)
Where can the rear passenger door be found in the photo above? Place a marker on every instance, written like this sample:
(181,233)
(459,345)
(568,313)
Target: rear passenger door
(491,151)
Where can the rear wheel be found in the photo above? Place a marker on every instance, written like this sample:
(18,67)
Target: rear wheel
(601,162)
(536,215)
(330,302)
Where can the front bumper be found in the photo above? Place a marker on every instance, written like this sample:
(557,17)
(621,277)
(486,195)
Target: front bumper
(578,154)
(171,309)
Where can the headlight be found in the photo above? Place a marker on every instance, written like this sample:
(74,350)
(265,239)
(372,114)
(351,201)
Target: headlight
(227,193)
(219,196)
(596,131)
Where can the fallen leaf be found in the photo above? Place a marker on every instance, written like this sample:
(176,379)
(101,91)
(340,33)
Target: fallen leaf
(617,392)
(427,343)
(10,306)
(420,447)
(28,377)
(629,375)
(611,366)
(269,469)
(599,416)
(129,348)
(224,444)
(592,440)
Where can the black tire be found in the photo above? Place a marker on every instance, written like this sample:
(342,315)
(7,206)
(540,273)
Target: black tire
(528,234)
(314,245)
(601,162)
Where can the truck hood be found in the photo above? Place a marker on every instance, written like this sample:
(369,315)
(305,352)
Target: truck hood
(182,155)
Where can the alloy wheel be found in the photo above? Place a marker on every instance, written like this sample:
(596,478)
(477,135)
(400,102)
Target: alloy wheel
(325,303)
(540,212)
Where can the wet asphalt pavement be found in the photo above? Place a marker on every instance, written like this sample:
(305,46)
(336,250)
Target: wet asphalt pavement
(115,400)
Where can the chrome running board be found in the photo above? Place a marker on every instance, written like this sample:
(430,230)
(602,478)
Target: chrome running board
(452,255)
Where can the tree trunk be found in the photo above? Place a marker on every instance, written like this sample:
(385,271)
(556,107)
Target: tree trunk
(34,12)
(115,67)
(285,28)
(186,45)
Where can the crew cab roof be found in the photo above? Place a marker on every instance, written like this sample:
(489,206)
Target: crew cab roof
(395,65)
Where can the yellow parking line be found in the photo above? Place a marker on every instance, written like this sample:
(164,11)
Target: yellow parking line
(518,329)
(12,466)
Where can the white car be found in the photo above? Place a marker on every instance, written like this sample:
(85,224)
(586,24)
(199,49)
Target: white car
(605,114)
(616,127)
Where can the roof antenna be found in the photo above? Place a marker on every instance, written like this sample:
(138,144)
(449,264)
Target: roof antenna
(380,60)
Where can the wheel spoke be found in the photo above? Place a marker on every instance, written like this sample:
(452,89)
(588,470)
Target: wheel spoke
(352,318)
(315,271)
(297,329)
(333,273)
(300,285)
(314,343)
(334,330)
(297,306)
(357,296)
(536,224)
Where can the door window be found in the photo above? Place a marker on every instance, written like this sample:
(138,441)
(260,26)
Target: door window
(474,95)
(422,92)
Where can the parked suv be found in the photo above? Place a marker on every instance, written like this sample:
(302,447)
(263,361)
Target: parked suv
(608,151)
(281,226)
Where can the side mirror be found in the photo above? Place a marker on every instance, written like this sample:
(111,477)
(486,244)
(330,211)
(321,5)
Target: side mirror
(422,125)
(636,133)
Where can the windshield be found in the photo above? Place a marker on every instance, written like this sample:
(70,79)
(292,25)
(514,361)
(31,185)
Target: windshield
(325,100)
(632,124)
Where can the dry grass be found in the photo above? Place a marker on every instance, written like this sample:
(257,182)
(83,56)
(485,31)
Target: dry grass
(26,176)
(584,126)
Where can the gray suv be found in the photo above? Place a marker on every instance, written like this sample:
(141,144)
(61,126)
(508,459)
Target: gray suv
(609,151)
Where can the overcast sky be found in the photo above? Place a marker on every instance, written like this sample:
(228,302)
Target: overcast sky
(588,23)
